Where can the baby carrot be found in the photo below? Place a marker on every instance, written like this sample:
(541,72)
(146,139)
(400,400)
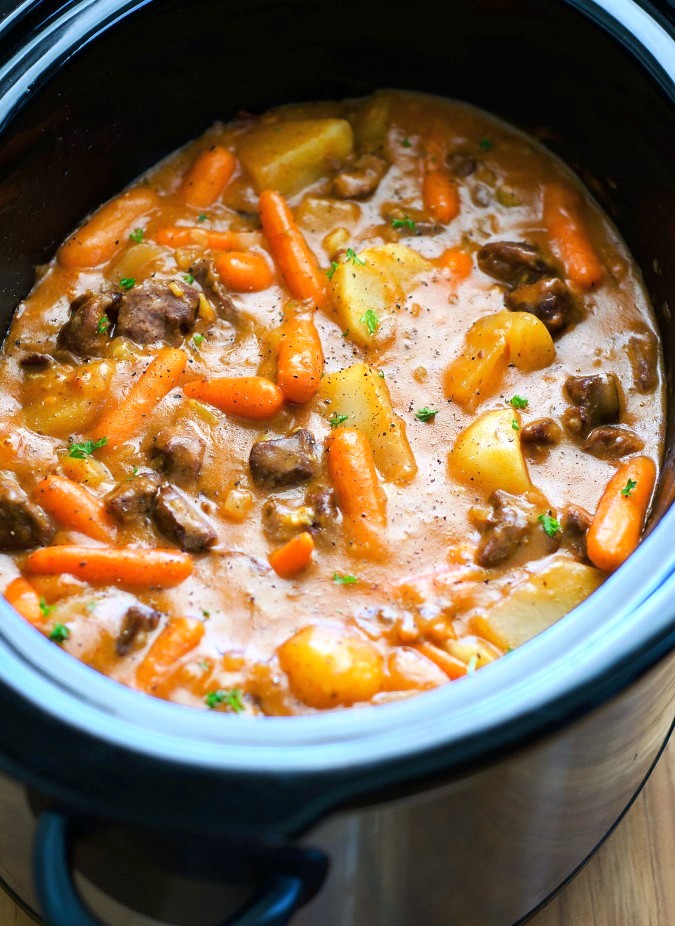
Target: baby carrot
(440,195)
(244,272)
(160,377)
(359,494)
(453,667)
(101,236)
(293,557)
(105,565)
(290,251)
(74,507)
(569,236)
(251,397)
(180,636)
(205,181)
(24,599)
(300,360)
(182,236)
(457,261)
(617,524)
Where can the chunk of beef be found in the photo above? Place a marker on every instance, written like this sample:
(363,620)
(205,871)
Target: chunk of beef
(514,262)
(180,521)
(215,291)
(181,453)
(35,362)
(575,522)
(282,518)
(284,461)
(133,500)
(505,528)
(86,331)
(325,507)
(361,179)
(138,621)
(157,311)
(612,442)
(22,523)
(643,354)
(596,400)
(461,163)
(548,299)
(543,431)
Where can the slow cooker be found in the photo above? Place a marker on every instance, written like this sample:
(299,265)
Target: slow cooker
(471,804)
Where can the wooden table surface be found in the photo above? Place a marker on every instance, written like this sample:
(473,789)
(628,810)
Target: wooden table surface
(630,882)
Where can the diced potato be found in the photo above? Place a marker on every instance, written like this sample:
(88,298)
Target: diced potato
(66,401)
(558,586)
(137,262)
(367,288)
(487,455)
(363,396)
(336,241)
(87,470)
(288,156)
(317,214)
(371,123)
(530,343)
(237,505)
(473,650)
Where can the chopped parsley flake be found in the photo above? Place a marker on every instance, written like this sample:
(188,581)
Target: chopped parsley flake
(46,609)
(336,420)
(370,320)
(91,605)
(331,270)
(628,488)
(515,425)
(403,223)
(189,279)
(485,144)
(550,525)
(202,217)
(341,579)
(517,401)
(199,340)
(137,235)
(59,633)
(231,699)
(86,448)
(354,258)
(127,282)
(426,414)
(103,324)
(406,143)
(380,373)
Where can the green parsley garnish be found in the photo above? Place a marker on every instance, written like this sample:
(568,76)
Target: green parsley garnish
(46,609)
(331,270)
(207,614)
(515,425)
(550,525)
(403,223)
(628,488)
(103,324)
(380,373)
(354,258)
(426,414)
(137,235)
(370,320)
(199,339)
(59,633)
(91,605)
(202,217)
(127,282)
(472,663)
(336,420)
(341,579)
(189,279)
(406,143)
(517,401)
(485,144)
(86,448)
(203,665)
(232,699)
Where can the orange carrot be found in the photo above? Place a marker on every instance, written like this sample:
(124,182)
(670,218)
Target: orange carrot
(244,272)
(569,236)
(101,236)
(180,636)
(24,599)
(440,195)
(457,261)
(205,181)
(616,527)
(251,397)
(453,667)
(183,236)
(293,557)
(300,360)
(361,499)
(124,420)
(106,565)
(74,507)
(291,253)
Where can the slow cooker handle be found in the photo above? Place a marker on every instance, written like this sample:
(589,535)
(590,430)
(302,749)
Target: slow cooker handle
(280,896)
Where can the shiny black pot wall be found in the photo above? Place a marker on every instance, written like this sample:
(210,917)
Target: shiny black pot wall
(116,86)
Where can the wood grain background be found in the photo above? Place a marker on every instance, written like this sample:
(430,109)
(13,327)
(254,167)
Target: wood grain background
(630,882)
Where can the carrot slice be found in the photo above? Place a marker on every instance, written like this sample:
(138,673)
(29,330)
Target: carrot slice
(453,667)
(457,261)
(569,236)
(206,180)
(300,360)
(180,636)
(440,195)
(293,557)
(244,273)
(74,507)
(124,566)
(183,236)
(251,397)
(24,599)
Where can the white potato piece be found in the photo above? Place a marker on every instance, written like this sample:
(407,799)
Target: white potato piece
(558,585)
(289,156)
(366,289)
(361,394)
(487,455)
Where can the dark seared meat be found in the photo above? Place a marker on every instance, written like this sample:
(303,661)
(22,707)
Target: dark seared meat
(643,354)
(461,164)
(575,522)
(282,518)
(181,453)
(285,461)
(542,431)
(35,363)
(138,621)
(611,442)
(86,331)
(326,512)
(595,400)
(548,299)
(180,521)
(506,526)
(361,179)
(215,291)
(22,524)
(514,262)
(157,311)
(133,499)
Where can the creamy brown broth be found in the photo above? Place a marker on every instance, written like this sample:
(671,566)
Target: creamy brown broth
(434,522)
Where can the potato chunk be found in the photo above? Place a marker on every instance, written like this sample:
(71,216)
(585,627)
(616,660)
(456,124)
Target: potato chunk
(557,586)
(64,400)
(288,156)
(360,394)
(487,455)
(366,290)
